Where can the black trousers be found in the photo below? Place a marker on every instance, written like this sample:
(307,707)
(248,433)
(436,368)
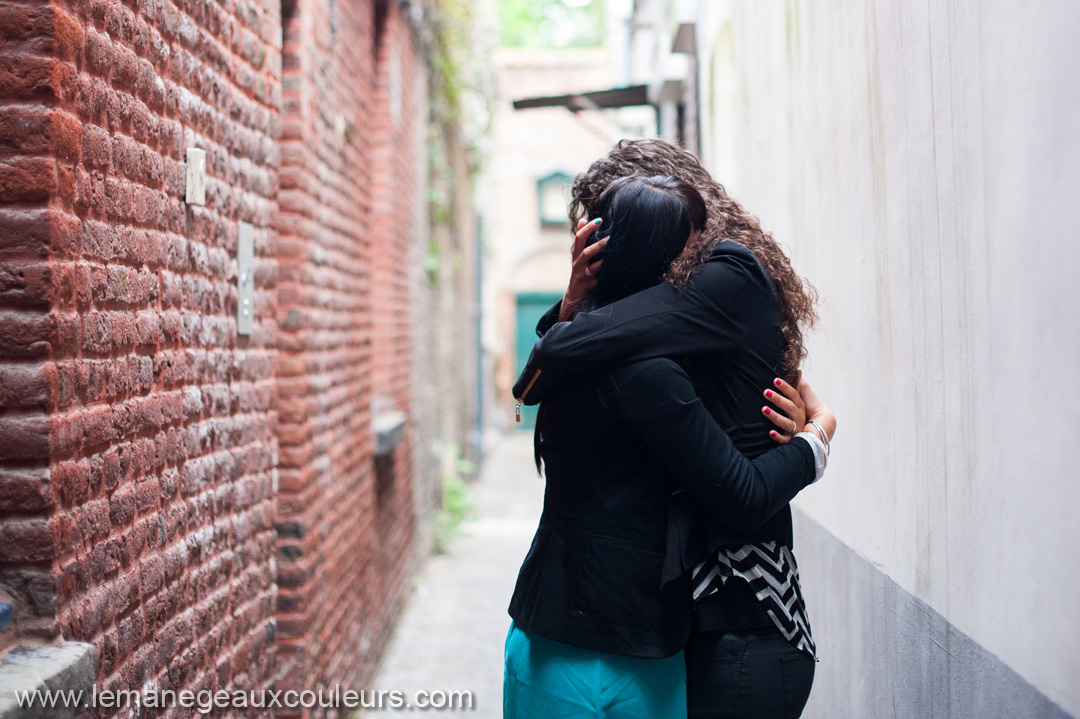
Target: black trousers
(746,674)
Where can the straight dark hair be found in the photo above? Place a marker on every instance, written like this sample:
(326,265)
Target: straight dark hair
(647,222)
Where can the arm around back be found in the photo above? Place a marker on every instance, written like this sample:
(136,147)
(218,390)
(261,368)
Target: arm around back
(713,315)
(657,400)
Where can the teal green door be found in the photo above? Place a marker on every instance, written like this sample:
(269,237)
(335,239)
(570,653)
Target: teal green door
(531,306)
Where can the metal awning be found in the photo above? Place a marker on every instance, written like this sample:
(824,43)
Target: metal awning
(599,100)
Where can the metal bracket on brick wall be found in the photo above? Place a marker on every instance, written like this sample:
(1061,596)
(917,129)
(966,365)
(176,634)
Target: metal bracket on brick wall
(67,667)
(195,180)
(245,280)
(389,429)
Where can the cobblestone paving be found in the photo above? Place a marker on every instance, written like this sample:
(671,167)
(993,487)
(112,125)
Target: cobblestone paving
(450,635)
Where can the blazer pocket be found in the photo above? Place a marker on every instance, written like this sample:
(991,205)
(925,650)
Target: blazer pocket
(627,544)
(622,577)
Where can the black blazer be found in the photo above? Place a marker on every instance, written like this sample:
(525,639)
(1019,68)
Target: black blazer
(724,327)
(612,443)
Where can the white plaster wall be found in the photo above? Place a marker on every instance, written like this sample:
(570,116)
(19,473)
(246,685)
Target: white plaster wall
(922,161)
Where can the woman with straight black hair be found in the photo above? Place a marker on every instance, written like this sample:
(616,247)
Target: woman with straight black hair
(599,615)
(647,216)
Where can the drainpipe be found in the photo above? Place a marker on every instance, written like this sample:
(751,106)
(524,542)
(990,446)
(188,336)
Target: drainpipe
(478,431)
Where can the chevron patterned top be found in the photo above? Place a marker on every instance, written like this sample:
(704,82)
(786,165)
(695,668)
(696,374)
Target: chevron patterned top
(770,570)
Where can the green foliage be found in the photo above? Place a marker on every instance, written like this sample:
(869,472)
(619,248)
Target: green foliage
(456,58)
(456,506)
(461,85)
(551,23)
(431,263)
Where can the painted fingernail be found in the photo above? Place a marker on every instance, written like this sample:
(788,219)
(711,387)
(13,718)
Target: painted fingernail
(772,434)
(767,410)
(768,393)
(778,382)
(597,221)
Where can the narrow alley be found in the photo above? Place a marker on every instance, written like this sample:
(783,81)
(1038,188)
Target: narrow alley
(270,271)
(450,634)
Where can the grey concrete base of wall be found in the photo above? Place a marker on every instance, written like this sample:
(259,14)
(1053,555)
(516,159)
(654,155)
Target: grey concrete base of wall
(66,667)
(887,655)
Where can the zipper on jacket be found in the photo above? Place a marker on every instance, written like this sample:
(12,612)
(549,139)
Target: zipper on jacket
(517,405)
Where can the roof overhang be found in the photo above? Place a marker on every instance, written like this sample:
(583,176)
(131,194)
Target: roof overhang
(598,100)
(668,91)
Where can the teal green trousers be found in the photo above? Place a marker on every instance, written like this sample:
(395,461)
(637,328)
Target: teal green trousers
(543,679)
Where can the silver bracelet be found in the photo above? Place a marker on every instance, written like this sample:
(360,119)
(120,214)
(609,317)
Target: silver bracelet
(824,435)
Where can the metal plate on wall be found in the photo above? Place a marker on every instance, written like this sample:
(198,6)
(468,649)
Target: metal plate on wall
(195,182)
(245,280)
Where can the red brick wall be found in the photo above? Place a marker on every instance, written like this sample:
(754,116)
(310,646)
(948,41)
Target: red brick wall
(140,438)
(345,520)
(151,423)
(393,222)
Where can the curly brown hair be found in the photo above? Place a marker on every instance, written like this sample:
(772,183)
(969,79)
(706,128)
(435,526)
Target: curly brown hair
(727,220)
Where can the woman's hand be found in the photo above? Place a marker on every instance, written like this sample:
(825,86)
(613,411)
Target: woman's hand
(792,414)
(816,410)
(583,270)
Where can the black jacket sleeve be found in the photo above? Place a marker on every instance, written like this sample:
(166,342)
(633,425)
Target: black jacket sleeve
(713,314)
(657,399)
(549,319)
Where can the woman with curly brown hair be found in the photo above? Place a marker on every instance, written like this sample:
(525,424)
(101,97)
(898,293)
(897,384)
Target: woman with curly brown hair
(731,311)
(727,220)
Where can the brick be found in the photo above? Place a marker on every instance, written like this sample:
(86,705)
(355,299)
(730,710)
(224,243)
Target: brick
(27,385)
(38,131)
(96,146)
(26,77)
(72,481)
(33,590)
(25,436)
(28,179)
(26,540)
(25,490)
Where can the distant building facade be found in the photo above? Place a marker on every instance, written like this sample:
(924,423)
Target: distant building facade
(533,156)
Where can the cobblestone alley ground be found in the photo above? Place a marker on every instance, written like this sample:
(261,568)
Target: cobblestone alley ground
(450,635)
